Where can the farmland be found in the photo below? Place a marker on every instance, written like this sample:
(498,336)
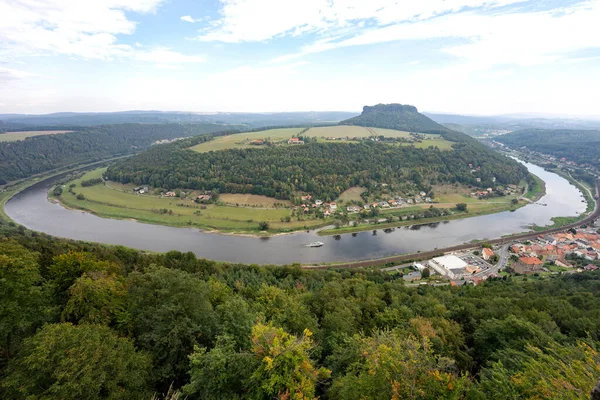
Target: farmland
(242,140)
(120,202)
(14,136)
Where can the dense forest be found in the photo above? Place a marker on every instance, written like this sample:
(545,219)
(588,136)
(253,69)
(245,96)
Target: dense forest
(86,321)
(43,153)
(395,116)
(581,146)
(323,169)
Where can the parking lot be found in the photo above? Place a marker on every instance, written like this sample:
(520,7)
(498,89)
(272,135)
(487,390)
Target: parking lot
(477,261)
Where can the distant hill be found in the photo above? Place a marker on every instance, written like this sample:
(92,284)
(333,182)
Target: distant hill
(579,145)
(252,120)
(395,116)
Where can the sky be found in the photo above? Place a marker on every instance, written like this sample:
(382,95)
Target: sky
(478,57)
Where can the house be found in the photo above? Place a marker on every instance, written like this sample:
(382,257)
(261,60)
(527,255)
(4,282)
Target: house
(487,253)
(170,194)
(333,206)
(306,198)
(590,267)
(366,206)
(422,194)
(428,200)
(392,203)
(203,197)
(295,140)
(318,202)
(306,209)
(257,142)
(327,213)
(528,265)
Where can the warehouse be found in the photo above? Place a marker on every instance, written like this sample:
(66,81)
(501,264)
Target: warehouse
(450,266)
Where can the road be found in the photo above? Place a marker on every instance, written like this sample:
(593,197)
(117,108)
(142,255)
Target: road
(434,253)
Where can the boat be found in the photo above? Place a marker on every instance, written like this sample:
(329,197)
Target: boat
(315,244)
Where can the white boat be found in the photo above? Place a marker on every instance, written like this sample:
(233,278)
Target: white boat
(315,244)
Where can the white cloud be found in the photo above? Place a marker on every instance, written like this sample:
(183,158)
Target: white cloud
(259,20)
(188,18)
(9,74)
(163,56)
(521,38)
(86,29)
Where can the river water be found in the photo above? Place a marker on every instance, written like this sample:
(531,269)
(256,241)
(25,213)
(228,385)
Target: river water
(32,209)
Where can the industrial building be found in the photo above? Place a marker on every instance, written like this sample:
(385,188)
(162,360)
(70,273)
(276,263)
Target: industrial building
(450,266)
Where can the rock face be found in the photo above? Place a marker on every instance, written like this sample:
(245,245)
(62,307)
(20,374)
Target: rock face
(596,392)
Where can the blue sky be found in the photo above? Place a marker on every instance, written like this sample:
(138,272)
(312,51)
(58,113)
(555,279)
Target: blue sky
(457,56)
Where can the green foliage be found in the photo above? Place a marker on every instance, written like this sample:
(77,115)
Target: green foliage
(324,170)
(57,191)
(96,297)
(24,298)
(284,366)
(461,207)
(170,314)
(425,273)
(233,331)
(63,361)
(263,226)
(91,182)
(393,366)
(395,116)
(22,158)
(581,146)
(80,196)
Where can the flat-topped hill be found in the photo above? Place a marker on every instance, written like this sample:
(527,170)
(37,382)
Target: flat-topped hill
(395,116)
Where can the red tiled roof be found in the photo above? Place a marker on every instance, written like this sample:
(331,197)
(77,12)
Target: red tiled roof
(530,260)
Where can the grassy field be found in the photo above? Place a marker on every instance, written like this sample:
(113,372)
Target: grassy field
(352,194)
(14,136)
(537,190)
(252,200)
(242,140)
(107,202)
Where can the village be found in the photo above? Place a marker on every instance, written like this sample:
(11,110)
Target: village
(328,209)
(568,252)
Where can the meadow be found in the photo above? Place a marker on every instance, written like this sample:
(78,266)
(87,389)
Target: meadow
(242,140)
(14,136)
(120,202)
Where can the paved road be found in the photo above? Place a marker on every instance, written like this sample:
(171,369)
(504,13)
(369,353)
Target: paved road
(501,241)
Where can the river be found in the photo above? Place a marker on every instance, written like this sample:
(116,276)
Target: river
(32,209)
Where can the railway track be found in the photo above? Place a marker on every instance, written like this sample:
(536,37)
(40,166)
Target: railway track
(434,253)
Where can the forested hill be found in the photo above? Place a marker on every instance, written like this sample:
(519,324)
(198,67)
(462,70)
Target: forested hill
(581,146)
(87,321)
(396,116)
(323,169)
(43,153)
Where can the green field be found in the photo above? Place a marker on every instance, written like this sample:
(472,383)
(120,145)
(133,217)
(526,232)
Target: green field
(242,140)
(116,203)
(14,136)
(352,194)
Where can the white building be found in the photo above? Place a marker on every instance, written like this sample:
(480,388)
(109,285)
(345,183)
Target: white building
(450,266)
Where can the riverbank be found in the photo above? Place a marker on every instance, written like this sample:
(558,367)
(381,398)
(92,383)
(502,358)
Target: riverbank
(121,202)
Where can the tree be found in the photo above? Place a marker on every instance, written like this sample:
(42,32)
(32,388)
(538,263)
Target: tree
(57,191)
(222,372)
(64,361)
(24,296)
(390,365)
(80,196)
(461,206)
(514,202)
(425,273)
(284,369)
(96,297)
(263,225)
(170,314)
